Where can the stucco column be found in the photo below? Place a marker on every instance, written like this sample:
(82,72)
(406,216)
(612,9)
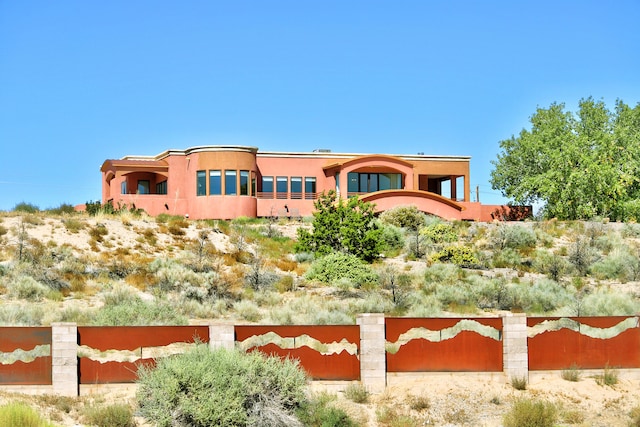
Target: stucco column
(64,358)
(514,345)
(222,335)
(373,366)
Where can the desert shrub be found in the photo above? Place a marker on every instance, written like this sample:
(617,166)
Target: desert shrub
(204,387)
(18,414)
(63,209)
(116,415)
(614,266)
(421,305)
(531,413)
(356,392)
(408,217)
(416,245)
(447,274)
(172,275)
(542,296)
(247,310)
(607,303)
(572,373)
(27,288)
(513,236)
(123,308)
(551,264)
(456,254)
(319,411)
(507,257)
(337,265)
(24,207)
(392,238)
(582,255)
(21,315)
(440,232)
(73,225)
(630,230)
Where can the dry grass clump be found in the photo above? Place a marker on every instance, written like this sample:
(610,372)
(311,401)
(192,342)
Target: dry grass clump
(573,373)
(608,377)
(357,393)
(531,413)
(519,383)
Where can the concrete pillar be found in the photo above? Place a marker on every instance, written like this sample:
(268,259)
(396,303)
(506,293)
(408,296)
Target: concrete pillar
(222,335)
(64,357)
(514,345)
(373,362)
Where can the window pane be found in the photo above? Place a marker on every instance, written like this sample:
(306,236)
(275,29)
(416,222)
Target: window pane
(267,187)
(230,185)
(281,186)
(161,187)
(123,187)
(201,183)
(352,177)
(296,187)
(143,186)
(309,187)
(253,184)
(244,183)
(215,182)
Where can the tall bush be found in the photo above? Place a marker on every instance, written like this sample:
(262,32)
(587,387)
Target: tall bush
(221,387)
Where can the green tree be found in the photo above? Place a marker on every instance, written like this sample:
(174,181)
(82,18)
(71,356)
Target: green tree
(579,166)
(340,226)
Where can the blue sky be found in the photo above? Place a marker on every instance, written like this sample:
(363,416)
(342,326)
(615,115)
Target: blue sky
(84,81)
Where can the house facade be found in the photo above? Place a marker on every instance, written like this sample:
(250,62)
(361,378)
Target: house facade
(226,182)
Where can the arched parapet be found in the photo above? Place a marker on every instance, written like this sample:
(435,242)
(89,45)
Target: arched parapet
(425,201)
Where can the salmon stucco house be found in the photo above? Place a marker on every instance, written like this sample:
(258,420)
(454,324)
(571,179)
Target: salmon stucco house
(226,182)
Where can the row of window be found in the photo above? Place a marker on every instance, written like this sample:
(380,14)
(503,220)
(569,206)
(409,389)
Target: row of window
(231,185)
(212,183)
(144,186)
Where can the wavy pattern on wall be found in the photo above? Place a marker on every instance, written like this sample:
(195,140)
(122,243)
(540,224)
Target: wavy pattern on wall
(324,352)
(25,356)
(443,334)
(586,342)
(431,345)
(582,328)
(334,347)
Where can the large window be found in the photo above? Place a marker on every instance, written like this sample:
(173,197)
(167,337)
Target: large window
(201,183)
(370,182)
(123,187)
(215,182)
(143,186)
(309,187)
(161,187)
(281,187)
(296,187)
(230,184)
(244,183)
(267,187)
(253,184)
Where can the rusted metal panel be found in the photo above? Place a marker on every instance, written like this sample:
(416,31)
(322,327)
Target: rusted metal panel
(396,326)
(132,337)
(94,372)
(23,337)
(322,333)
(562,348)
(339,366)
(466,352)
(36,372)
